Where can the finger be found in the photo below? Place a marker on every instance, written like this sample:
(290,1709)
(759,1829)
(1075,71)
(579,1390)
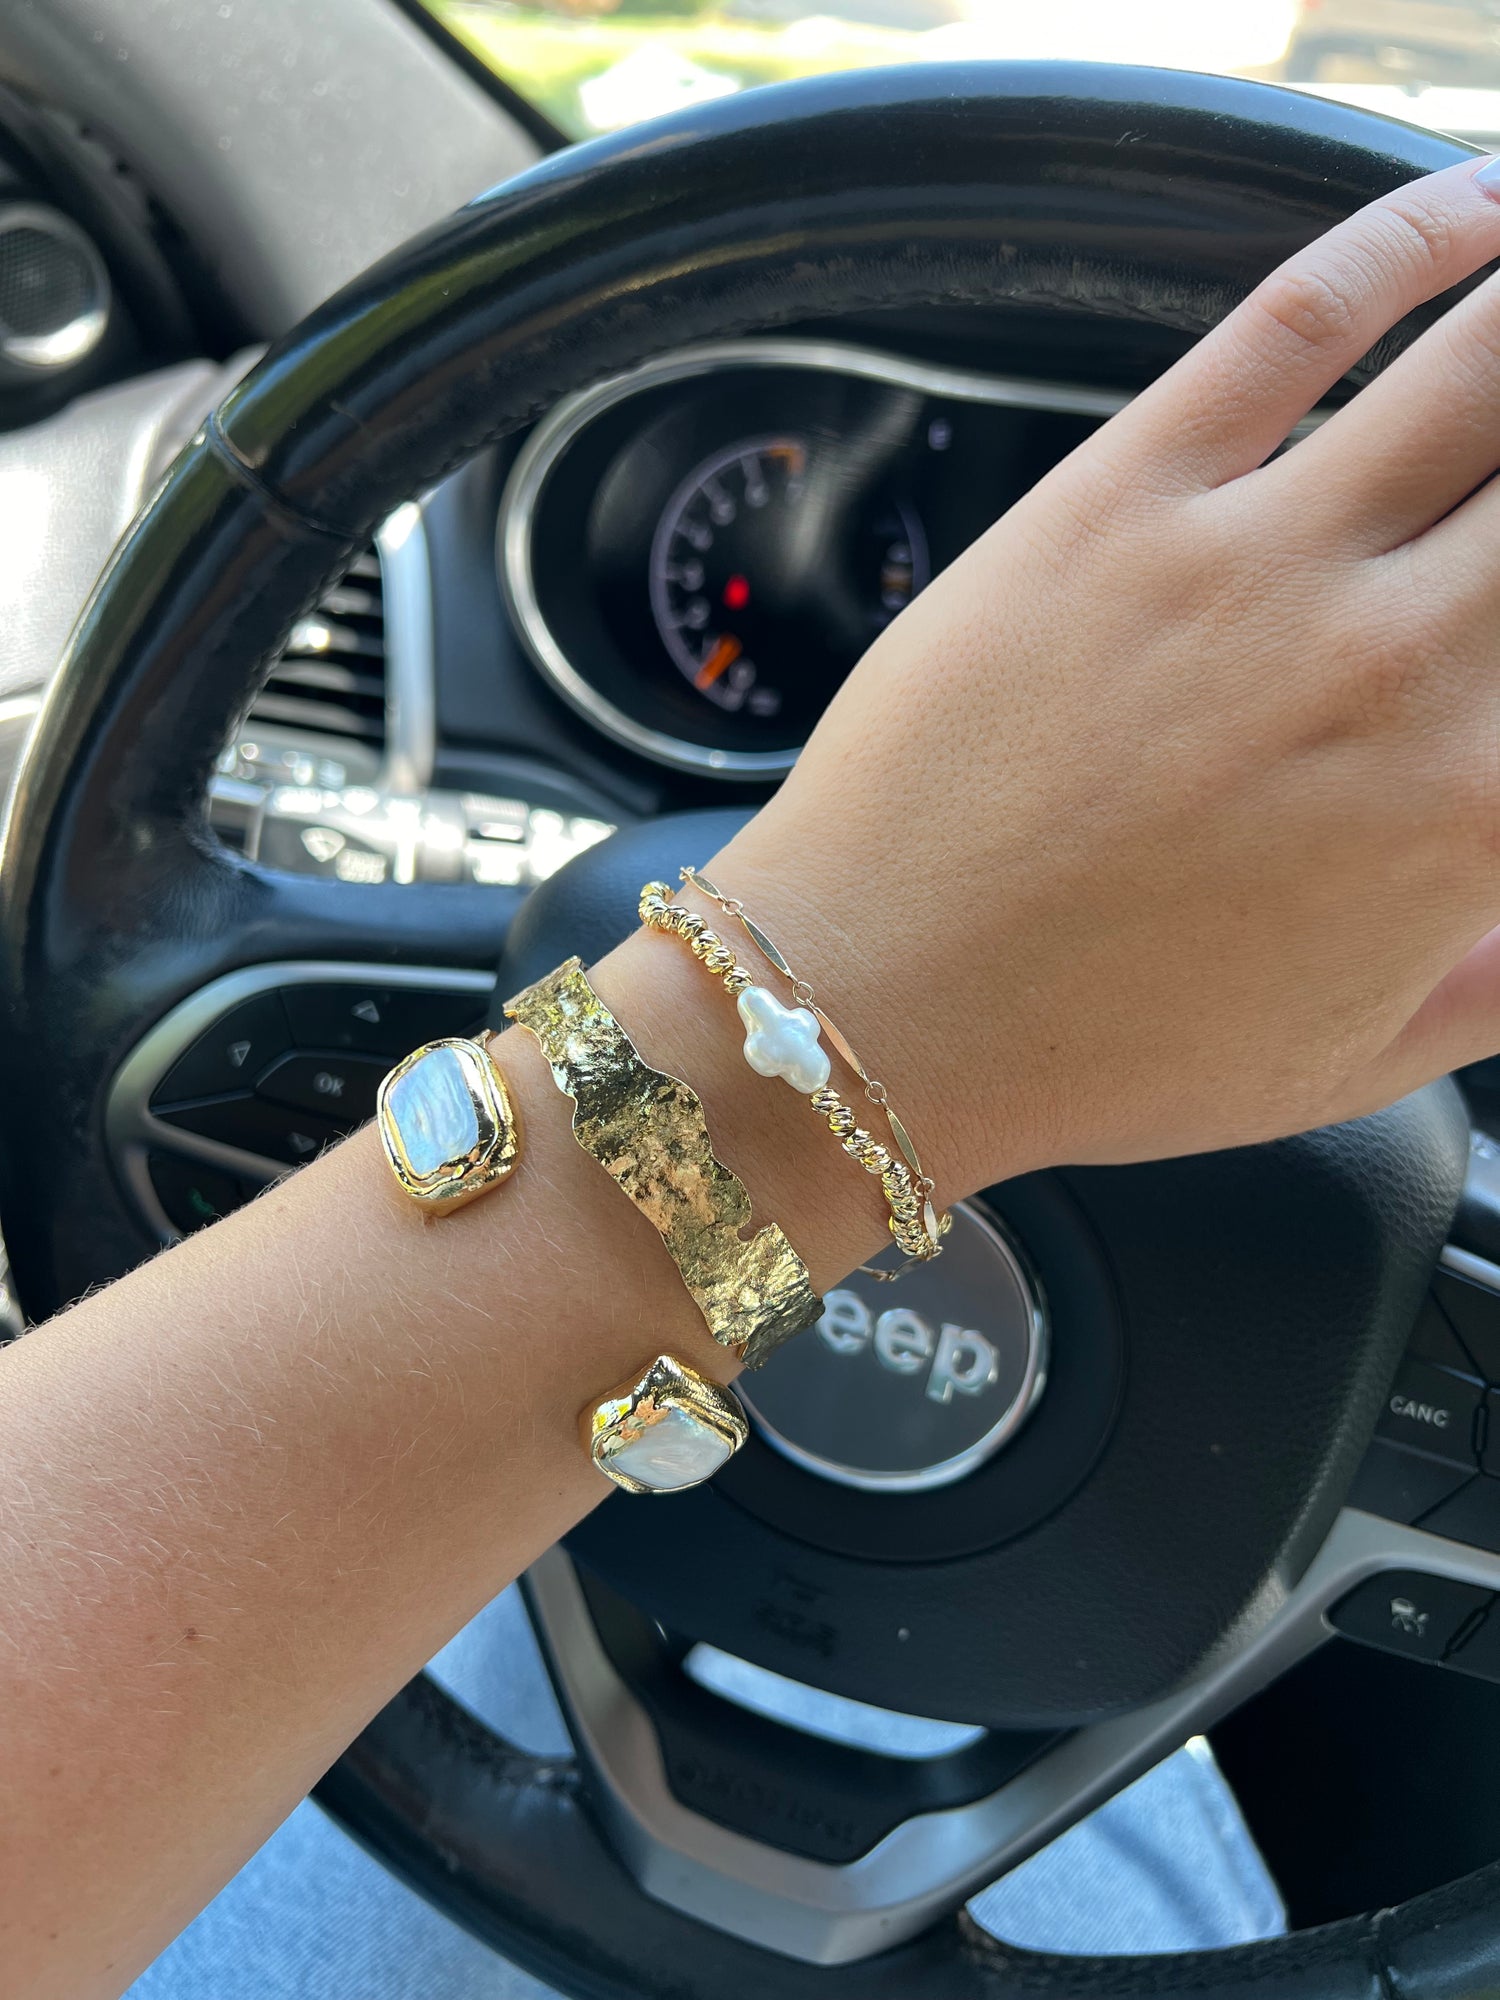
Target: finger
(1224,408)
(1414,444)
(1458,1023)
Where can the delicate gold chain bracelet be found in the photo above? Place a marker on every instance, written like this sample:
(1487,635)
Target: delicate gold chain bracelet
(784,1042)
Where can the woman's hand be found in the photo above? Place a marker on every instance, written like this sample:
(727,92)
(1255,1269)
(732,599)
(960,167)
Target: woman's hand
(1168,818)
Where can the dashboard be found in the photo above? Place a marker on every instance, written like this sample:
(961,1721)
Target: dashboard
(696,554)
(644,603)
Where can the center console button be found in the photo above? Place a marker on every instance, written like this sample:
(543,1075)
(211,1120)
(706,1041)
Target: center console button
(1432,1410)
(1406,1611)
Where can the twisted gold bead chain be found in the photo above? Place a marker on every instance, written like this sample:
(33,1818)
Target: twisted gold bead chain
(915,1224)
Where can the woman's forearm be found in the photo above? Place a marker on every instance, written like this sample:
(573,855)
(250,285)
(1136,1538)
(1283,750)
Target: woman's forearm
(249,1491)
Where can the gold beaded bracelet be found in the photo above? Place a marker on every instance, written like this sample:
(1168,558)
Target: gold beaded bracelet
(784,1042)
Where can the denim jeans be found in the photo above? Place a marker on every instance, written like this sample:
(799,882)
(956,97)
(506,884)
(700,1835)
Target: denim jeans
(1166,1866)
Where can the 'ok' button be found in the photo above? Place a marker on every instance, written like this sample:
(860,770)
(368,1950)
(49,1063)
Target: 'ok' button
(1432,1411)
(341,1087)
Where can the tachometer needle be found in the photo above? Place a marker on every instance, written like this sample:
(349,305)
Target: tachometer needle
(724,655)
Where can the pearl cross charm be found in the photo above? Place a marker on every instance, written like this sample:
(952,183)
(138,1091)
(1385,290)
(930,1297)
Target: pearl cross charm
(783,1041)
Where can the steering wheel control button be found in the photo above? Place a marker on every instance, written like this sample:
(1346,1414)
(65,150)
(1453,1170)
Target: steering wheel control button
(192,1194)
(1405,1611)
(1472,1515)
(1433,1339)
(341,1087)
(378,1020)
(905,1389)
(290,1138)
(1402,1485)
(1474,1314)
(1432,1410)
(229,1055)
(1478,1649)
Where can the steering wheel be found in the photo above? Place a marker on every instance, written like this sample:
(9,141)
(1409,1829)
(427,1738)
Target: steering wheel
(1170,1530)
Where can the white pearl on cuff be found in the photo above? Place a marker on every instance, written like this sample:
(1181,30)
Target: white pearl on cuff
(783,1041)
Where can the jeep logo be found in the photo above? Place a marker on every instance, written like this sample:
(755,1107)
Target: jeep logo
(962,1361)
(900,1388)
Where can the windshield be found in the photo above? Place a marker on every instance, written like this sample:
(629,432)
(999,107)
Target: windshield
(596,65)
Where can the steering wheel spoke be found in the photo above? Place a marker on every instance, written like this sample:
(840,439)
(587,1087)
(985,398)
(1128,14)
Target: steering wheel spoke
(887,1923)
(929,1863)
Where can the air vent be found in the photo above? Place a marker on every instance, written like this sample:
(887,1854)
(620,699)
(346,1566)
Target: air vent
(330,677)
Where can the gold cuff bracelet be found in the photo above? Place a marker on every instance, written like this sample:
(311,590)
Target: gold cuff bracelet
(647,1131)
(447,1123)
(665,1432)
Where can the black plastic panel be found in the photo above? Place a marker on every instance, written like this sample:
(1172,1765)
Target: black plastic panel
(1436,1456)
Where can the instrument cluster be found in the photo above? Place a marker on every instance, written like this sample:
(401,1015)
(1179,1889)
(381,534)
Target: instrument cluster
(697,553)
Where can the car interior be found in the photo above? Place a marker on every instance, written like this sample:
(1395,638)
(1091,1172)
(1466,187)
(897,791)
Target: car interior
(430,508)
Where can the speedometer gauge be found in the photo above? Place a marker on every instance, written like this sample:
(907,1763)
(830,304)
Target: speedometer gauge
(753,551)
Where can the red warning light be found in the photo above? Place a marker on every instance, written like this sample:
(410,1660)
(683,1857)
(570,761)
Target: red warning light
(737,593)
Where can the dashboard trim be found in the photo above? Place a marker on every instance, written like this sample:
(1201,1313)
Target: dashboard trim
(410,663)
(552,436)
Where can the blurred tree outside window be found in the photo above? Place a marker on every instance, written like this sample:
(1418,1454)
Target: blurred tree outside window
(598,65)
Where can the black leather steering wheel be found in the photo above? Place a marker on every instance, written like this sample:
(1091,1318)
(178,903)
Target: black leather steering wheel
(1133,206)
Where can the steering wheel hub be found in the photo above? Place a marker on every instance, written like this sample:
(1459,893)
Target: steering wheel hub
(904,1390)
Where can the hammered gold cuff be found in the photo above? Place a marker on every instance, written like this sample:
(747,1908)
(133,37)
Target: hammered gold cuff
(447,1124)
(666,1432)
(647,1130)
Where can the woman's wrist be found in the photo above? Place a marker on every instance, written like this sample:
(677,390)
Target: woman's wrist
(858,934)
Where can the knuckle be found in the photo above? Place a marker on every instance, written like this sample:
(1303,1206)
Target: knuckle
(1418,229)
(1387,680)
(1406,242)
(1471,345)
(1088,520)
(1310,304)
(1387,670)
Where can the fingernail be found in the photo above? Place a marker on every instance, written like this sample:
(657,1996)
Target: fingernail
(1488,177)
